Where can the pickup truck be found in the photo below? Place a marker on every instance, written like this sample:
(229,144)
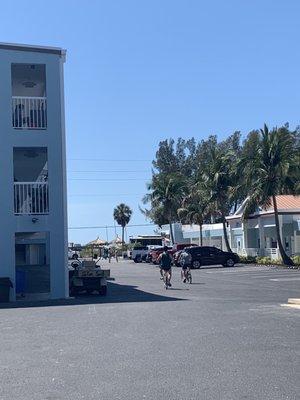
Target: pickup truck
(141,253)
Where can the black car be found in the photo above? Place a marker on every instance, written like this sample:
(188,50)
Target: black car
(206,255)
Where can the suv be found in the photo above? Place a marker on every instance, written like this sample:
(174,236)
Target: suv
(211,256)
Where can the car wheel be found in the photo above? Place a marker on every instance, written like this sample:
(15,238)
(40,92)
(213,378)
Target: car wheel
(229,262)
(196,264)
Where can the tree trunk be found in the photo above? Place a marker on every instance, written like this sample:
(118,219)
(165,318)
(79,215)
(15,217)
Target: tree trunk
(171,233)
(285,258)
(225,234)
(200,235)
(123,228)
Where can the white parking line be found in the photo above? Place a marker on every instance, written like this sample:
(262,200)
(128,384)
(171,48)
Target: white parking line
(244,271)
(285,279)
(282,275)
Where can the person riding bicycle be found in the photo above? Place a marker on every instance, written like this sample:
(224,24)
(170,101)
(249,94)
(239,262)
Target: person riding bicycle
(185,260)
(165,262)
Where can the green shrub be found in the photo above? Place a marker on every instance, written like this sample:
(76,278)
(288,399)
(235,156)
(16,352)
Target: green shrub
(248,259)
(268,261)
(296,260)
(263,260)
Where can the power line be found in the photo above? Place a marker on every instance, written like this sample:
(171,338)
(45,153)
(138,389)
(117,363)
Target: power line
(107,159)
(106,171)
(109,226)
(106,194)
(107,179)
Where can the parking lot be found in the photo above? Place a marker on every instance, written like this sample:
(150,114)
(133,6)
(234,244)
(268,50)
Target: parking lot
(224,337)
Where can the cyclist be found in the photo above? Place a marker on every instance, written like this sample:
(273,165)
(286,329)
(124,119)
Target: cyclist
(185,262)
(165,262)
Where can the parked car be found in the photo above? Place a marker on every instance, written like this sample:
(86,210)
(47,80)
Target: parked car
(180,246)
(206,255)
(155,253)
(139,253)
(142,253)
(178,249)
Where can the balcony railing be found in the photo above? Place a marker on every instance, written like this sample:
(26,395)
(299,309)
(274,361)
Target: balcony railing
(29,112)
(31,198)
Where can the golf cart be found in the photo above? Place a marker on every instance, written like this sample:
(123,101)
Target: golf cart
(87,276)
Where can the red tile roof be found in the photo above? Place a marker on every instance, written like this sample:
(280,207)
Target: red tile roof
(287,202)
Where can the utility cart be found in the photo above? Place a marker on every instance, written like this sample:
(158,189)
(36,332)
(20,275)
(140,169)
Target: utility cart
(87,276)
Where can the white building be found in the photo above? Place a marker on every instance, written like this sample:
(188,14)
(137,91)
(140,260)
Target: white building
(33,235)
(256,236)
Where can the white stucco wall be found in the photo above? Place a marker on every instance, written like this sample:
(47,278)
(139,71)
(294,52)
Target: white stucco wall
(53,138)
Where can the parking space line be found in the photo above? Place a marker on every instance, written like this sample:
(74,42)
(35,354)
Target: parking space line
(275,276)
(249,271)
(285,279)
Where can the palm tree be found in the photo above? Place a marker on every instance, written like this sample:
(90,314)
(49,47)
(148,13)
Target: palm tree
(195,209)
(122,214)
(165,197)
(217,176)
(272,170)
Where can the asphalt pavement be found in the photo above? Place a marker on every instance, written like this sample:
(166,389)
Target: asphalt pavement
(225,337)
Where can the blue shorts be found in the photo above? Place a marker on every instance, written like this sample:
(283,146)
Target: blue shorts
(166,268)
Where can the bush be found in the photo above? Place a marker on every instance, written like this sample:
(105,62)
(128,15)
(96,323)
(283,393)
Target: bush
(248,260)
(268,261)
(264,260)
(296,260)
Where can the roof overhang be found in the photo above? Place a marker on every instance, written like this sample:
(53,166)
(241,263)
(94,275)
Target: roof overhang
(286,211)
(32,48)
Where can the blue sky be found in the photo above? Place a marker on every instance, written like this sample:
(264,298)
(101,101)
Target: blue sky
(140,71)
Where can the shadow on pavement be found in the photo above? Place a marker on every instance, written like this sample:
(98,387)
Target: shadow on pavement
(116,293)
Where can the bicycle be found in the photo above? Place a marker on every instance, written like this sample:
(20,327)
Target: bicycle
(186,275)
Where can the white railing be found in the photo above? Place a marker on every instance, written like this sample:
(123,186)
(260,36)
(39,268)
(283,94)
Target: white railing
(31,198)
(273,253)
(248,252)
(29,112)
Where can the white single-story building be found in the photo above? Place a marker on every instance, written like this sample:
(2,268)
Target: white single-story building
(257,234)
(252,237)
